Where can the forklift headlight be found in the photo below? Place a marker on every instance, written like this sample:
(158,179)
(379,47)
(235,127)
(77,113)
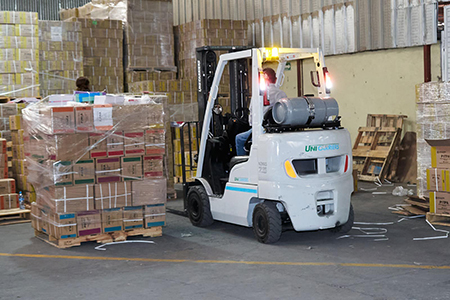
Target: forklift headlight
(274,52)
(289,169)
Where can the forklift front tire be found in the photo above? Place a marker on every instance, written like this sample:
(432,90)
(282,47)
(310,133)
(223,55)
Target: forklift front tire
(347,226)
(267,224)
(198,208)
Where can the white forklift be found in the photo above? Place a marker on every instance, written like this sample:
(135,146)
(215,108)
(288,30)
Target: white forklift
(299,168)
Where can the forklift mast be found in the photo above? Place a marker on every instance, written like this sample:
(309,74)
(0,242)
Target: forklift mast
(239,88)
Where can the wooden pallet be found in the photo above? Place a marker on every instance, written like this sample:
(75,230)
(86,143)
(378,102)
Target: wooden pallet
(382,121)
(14,216)
(102,238)
(438,219)
(373,151)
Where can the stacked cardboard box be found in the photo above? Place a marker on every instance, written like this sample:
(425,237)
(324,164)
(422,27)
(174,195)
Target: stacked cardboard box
(190,142)
(433,123)
(149,34)
(19,54)
(103,54)
(61,56)
(9,199)
(96,168)
(438,176)
(182,98)
(207,33)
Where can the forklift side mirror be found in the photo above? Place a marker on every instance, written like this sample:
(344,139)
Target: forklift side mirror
(313,82)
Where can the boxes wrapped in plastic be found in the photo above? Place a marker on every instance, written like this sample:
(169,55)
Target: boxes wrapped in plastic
(433,122)
(61,56)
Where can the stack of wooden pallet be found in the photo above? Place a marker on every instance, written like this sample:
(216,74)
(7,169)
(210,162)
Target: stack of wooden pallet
(375,152)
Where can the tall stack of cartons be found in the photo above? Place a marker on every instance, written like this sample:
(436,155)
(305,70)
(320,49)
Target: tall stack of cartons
(433,123)
(208,32)
(96,168)
(149,35)
(61,56)
(9,199)
(19,54)
(103,53)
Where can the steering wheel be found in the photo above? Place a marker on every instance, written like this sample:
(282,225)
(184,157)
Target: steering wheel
(241,114)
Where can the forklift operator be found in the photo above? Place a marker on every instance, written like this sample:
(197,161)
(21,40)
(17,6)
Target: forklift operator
(273,94)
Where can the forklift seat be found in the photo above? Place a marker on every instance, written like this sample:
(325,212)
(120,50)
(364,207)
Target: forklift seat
(237,160)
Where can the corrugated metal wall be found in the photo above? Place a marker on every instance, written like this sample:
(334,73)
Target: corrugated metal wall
(47,9)
(336,26)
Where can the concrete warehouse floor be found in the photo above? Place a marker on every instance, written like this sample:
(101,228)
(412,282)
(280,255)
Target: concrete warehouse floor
(226,262)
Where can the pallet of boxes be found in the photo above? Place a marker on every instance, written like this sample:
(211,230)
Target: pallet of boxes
(97,170)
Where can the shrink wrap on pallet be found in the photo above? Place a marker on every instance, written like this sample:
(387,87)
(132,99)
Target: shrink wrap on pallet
(92,165)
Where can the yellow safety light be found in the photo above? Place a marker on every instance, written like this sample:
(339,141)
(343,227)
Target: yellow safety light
(274,52)
(289,169)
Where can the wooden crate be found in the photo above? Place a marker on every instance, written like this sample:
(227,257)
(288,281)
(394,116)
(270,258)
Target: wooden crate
(382,121)
(102,238)
(438,219)
(14,216)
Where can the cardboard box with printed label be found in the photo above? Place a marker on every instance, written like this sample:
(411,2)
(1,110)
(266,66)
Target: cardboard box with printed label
(84,172)
(67,147)
(62,226)
(98,145)
(15,122)
(89,222)
(440,153)
(153,166)
(155,141)
(9,201)
(440,202)
(107,170)
(115,144)
(7,186)
(62,173)
(155,215)
(134,143)
(103,117)
(438,179)
(132,168)
(84,119)
(113,195)
(112,220)
(58,119)
(149,191)
(133,217)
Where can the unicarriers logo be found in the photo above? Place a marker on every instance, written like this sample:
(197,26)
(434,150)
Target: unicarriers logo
(325,147)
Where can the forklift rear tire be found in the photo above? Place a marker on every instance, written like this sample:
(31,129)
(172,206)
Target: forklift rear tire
(198,208)
(347,226)
(267,224)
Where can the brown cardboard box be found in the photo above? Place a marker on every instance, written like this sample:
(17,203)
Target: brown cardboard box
(15,122)
(62,173)
(113,195)
(133,217)
(98,145)
(149,191)
(115,144)
(107,169)
(67,147)
(437,179)
(440,202)
(84,118)
(35,216)
(89,222)
(440,153)
(134,143)
(62,226)
(155,215)
(84,172)
(7,186)
(103,117)
(153,166)
(9,201)
(112,220)
(67,199)
(155,141)
(132,168)
(18,151)
(59,119)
